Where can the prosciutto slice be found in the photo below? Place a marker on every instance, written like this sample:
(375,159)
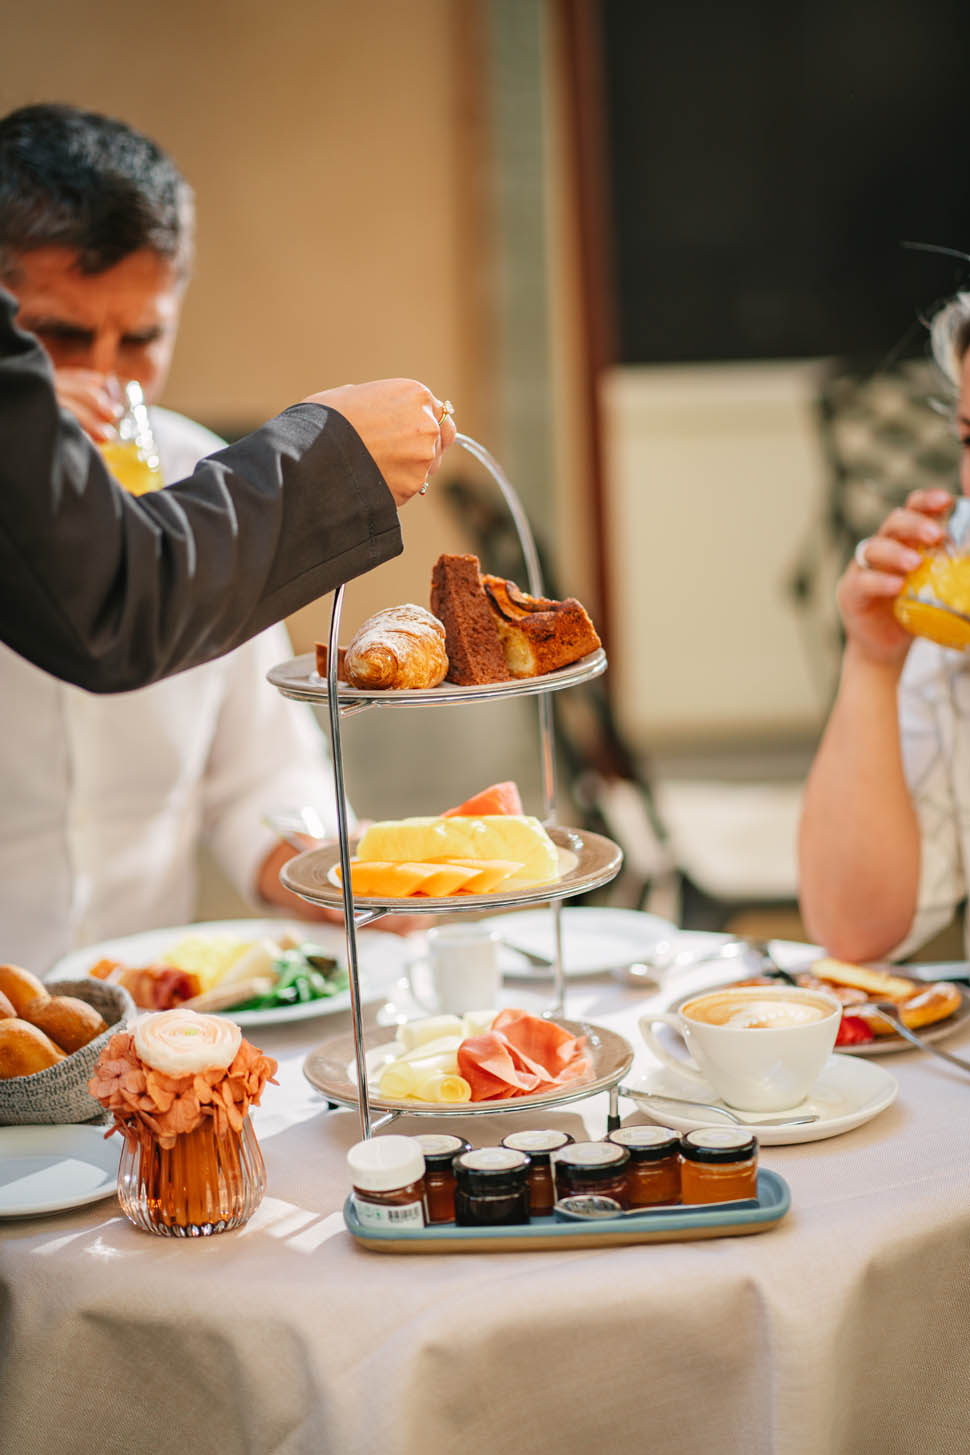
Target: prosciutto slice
(521,1055)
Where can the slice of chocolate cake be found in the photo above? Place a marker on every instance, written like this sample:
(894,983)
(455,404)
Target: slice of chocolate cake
(472,642)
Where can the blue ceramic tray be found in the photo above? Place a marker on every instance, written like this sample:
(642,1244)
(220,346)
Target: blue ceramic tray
(675,1224)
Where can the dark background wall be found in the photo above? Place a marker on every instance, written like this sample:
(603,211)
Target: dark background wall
(769,158)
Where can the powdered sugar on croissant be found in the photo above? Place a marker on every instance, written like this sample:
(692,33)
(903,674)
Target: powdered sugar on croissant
(402,646)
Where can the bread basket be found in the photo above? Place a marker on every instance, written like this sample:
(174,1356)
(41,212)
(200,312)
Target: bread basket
(60,1094)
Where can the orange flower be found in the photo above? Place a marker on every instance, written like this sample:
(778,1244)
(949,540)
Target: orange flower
(169,1106)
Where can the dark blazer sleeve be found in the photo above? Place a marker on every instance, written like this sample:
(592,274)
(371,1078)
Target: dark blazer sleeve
(111,591)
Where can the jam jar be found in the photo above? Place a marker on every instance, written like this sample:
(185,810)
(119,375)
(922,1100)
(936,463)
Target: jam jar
(653,1172)
(439,1175)
(592,1167)
(540,1147)
(388,1180)
(491,1187)
(720,1164)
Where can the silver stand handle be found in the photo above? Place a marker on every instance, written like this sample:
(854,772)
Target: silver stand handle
(351,920)
(546,734)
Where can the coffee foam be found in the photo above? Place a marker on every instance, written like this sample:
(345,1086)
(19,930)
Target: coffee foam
(765,1011)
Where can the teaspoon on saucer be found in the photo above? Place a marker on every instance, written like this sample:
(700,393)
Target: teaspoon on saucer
(754,1118)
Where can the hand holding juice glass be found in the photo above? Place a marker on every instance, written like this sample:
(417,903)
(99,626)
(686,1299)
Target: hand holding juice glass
(942,579)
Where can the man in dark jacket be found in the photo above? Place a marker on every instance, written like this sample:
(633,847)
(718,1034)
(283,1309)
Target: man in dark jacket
(111,592)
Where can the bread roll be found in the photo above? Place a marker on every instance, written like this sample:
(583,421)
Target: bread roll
(69,1022)
(24,1049)
(20,986)
(402,646)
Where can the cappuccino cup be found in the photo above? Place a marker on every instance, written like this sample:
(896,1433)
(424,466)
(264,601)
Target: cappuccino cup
(761,1047)
(463,970)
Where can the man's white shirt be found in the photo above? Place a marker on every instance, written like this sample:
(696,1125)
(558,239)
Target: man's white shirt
(105,797)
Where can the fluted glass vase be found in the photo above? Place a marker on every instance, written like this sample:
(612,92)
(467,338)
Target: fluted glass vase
(206,1183)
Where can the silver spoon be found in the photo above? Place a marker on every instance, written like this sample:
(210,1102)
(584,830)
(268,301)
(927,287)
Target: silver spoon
(589,1206)
(753,1118)
(664,956)
(890,1010)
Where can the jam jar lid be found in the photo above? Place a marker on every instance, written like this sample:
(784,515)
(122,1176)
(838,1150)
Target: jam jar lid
(646,1144)
(491,1169)
(439,1149)
(382,1164)
(539,1144)
(596,1159)
(718,1144)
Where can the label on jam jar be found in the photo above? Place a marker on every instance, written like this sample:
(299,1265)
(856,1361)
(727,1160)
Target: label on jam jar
(388,1215)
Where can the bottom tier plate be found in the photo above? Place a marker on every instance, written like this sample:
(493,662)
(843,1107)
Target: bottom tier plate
(669,1225)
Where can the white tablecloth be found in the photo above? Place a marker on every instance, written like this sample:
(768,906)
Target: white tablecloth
(846,1328)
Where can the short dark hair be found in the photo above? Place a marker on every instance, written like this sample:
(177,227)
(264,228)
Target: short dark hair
(76,179)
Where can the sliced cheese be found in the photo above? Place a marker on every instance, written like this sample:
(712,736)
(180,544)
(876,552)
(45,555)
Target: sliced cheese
(444,1050)
(476,1022)
(439,1086)
(376,880)
(397,1081)
(515,837)
(429,1028)
(449,879)
(489,874)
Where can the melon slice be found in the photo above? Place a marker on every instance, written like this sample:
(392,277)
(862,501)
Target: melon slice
(374,879)
(498,798)
(490,873)
(448,879)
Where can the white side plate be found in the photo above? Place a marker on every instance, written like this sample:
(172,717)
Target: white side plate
(47,1169)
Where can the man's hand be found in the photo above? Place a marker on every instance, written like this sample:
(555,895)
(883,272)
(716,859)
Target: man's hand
(90,398)
(402,424)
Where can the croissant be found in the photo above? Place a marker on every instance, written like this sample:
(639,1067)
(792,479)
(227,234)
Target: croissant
(402,646)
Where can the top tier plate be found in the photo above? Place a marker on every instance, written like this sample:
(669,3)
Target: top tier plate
(299,680)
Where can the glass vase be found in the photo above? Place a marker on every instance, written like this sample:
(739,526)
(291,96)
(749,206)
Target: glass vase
(206,1183)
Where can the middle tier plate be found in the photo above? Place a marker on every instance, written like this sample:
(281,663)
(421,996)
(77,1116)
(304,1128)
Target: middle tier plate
(589,860)
(331,1068)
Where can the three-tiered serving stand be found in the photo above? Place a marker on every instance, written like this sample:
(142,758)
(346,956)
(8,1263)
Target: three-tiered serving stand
(588,860)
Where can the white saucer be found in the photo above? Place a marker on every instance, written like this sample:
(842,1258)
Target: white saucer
(44,1169)
(848,1093)
(595,941)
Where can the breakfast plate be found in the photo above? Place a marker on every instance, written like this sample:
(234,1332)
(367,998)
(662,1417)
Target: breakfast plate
(45,1169)
(847,1094)
(586,860)
(376,961)
(331,1067)
(595,940)
(299,680)
(882,1045)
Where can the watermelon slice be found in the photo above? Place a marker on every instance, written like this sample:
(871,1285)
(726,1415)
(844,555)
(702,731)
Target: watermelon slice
(498,798)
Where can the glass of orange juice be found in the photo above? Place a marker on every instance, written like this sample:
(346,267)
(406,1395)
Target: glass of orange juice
(132,454)
(935,599)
